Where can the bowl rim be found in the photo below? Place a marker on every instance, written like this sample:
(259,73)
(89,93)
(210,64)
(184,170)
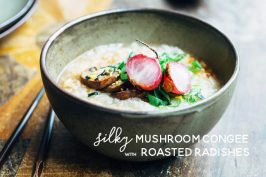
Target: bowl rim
(21,20)
(19,14)
(129,113)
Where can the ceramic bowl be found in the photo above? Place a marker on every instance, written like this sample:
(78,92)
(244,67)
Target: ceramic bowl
(85,120)
(14,13)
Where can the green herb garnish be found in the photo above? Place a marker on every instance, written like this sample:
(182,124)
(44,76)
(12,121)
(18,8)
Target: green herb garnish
(164,94)
(123,73)
(87,77)
(156,93)
(130,55)
(195,67)
(193,96)
(176,101)
(165,58)
(155,101)
(109,66)
(159,97)
(122,68)
(124,76)
(93,93)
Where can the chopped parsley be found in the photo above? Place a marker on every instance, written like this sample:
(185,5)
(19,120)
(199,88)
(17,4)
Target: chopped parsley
(122,68)
(159,97)
(155,101)
(123,76)
(175,102)
(165,58)
(193,96)
(195,67)
(130,55)
(93,93)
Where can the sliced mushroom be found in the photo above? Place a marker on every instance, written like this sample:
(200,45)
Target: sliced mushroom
(99,78)
(114,87)
(126,94)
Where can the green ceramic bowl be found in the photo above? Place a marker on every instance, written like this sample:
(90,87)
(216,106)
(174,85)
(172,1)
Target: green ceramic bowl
(85,120)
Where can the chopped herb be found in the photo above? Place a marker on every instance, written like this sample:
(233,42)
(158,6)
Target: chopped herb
(121,65)
(193,96)
(164,94)
(122,68)
(93,93)
(165,58)
(195,66)
(87,77)
(130,55)
(196,91)
(156,93)
(110,67)
(176,101)
(158,97)
(153,100)
(106,71)
(103,73)
(123,76)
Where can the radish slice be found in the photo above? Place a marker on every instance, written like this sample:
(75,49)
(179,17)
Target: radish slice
(177,79)
(144,72)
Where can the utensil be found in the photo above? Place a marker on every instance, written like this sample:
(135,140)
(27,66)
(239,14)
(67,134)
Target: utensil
(19,128)
(44,145)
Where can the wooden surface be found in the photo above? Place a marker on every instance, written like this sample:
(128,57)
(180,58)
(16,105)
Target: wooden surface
(243,21)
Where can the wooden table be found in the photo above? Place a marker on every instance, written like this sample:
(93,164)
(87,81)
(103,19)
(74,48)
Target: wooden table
(243,21)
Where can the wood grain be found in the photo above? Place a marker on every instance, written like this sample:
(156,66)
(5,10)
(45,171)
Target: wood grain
(24,46)
(244,22)
(13,76)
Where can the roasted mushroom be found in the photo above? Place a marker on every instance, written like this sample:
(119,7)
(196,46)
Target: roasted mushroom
(114,87)
(99,78)
(126,94)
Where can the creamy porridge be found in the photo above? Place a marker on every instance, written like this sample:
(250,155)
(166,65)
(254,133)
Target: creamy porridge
(190,79)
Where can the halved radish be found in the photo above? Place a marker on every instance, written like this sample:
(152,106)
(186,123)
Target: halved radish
(144,72)
(177,78)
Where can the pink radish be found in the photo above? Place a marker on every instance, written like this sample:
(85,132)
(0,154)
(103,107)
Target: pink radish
(144,72)
(177,78)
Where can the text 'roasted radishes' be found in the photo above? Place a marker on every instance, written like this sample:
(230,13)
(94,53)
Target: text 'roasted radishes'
(144,72)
